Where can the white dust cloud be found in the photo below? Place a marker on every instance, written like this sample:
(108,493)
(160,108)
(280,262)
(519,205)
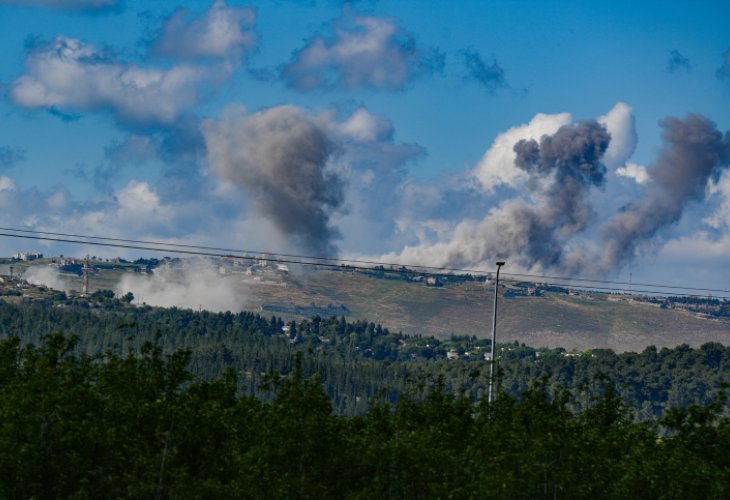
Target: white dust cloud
(194,284)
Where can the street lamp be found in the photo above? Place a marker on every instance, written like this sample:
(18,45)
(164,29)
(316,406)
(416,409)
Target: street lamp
(494,335)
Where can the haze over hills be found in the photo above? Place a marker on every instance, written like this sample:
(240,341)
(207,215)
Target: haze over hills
(551,318)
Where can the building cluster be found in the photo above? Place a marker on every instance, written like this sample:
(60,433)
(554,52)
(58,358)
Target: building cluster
(27,256)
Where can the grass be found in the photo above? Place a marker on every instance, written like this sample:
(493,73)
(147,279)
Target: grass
(555,320)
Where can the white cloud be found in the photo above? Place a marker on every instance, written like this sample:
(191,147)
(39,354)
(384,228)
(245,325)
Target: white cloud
(221,32)
(59,200)
(137,201)
(138,210)
(634,171)
(720,218)
(7,184)
(313,176)
(360,52)
(69,74)
(469,243)
(366,127)
(701,248)
(27,204)
(619,122)
(497,166)
(542,227)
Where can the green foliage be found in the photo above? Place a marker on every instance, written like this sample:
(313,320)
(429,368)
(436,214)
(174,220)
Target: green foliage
(137,425)
(359,361)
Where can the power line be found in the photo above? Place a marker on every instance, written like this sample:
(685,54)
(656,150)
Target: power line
(400,267)
(331,262)
(251,252)
(629,283)
(262,257)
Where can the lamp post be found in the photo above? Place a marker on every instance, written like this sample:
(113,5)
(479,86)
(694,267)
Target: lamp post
(490,399)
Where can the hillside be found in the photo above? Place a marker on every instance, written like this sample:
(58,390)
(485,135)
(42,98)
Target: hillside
(555,319)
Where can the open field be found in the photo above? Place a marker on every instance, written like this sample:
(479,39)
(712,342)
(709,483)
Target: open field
(554,320)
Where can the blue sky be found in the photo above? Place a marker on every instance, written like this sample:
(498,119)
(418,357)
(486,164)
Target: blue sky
(378,129)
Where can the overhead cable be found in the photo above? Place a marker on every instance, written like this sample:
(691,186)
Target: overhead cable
(339,263)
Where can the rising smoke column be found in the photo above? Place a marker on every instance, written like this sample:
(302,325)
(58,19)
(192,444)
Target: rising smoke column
(533,232)
(280,156)
(693,152)
(562,168)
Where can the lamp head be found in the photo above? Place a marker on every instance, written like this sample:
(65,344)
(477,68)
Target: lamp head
(499,264)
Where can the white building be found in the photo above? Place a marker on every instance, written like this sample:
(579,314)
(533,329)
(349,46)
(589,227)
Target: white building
(27,256)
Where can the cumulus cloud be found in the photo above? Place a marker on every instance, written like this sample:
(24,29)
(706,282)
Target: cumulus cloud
(313,176)
(280,156)
(24,205)
(68,74)
(135,209)
(375,167)
(137,201)
(693,153)
(560,169)
(497,166)
(488,75)
(358,51)
(366,127)
(7,184)
(678,62)
(619,122)
(300,165)
(222,32)
(193,284)
(634,171)
(73,5)
(720,218)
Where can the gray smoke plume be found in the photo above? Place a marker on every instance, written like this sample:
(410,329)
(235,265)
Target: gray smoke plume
(533,234)
(693,152)
(563,167)
(280,156)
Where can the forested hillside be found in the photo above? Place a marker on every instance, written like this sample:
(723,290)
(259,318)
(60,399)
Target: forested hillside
(359,362)
(135,426)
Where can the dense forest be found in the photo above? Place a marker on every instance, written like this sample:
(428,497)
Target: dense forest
(137,425)
(360,362)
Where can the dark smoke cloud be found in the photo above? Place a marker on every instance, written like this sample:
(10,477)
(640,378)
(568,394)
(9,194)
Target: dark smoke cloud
(490,76)
(574,151)
(694,151)
(534,234)
(724,70)
(678,61)
(571,162)
(280,156)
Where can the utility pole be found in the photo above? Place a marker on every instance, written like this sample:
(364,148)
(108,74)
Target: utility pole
(86,276)
(490,397)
